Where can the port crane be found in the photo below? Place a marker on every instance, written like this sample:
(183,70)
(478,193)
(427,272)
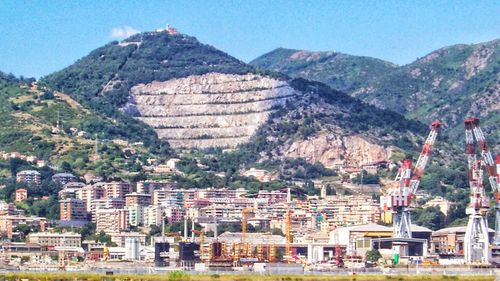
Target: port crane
(399,198)
(476,241)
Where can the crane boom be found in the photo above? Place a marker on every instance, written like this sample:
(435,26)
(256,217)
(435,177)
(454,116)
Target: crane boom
(476,239)
(399,197)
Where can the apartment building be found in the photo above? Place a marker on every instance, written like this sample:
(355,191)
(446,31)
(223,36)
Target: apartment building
(112,220)
(72,209)
(63,178)
(137,199)
(30,177)
(115,189)
(10,222)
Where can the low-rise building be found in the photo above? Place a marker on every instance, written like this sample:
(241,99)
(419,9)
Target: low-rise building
(443,204)
(9,223)
(450,241)
(119,238)
(21,194)
(67,239)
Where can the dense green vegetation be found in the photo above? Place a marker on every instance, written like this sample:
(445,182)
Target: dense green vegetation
(449,84)
(342,72)
(102,79)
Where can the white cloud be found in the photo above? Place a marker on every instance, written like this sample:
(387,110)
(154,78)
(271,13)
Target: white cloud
(123,32)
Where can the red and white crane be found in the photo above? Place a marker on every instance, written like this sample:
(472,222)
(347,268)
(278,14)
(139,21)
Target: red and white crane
(476,240)
(399,197)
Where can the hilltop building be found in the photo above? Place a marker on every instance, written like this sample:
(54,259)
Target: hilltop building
(21,194)
(30,177)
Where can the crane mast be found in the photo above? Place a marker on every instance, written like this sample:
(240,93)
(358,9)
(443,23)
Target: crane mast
(288,248)
(399,198)
(476,240)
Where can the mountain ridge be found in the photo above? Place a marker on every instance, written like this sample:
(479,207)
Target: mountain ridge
(171,70)
(449,84)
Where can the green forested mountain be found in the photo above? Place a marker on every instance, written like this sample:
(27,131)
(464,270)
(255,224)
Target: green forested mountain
(342,72)
(449,84)
(102,81)
(50,125)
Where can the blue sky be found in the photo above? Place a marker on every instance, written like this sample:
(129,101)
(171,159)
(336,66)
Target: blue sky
(39,37)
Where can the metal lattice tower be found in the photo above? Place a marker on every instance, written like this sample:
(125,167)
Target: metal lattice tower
(476,240)
(399,198)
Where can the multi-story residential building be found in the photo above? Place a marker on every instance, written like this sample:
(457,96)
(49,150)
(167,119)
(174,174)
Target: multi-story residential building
(137,199)
(21,194)
(112,220)
(7,208)
(174,214)
(153,215)
(30,177)
(88,194)
(274,196)
(66,239)
(70,190)
(115,189)
(211,193)
(161,195)
(149,186)
(63,178)
(135,214)
(107,203)
(9,223)
(72,209)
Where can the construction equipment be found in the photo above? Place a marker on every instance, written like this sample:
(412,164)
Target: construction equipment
(288,248)
(399,198)
(244,218)
(476,240)
(201,234)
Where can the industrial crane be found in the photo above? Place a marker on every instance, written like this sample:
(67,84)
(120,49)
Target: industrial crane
(201,234)
(476,241)
(288,247)
(244,215)
(399,198)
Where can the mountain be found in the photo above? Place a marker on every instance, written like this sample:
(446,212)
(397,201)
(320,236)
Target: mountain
(195,96)
(448,84)
(342,72)
(51,126)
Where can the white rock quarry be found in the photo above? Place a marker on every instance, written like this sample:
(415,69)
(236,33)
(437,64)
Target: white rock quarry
(211,110)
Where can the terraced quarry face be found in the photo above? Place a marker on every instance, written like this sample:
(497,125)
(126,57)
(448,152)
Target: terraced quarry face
(211,110)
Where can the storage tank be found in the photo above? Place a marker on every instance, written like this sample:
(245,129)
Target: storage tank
(132,251)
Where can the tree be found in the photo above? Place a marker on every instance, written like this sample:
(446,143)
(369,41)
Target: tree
(373,255)
(430,217)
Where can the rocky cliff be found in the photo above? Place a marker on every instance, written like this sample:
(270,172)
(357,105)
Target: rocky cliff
(335,151)
(211,110)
